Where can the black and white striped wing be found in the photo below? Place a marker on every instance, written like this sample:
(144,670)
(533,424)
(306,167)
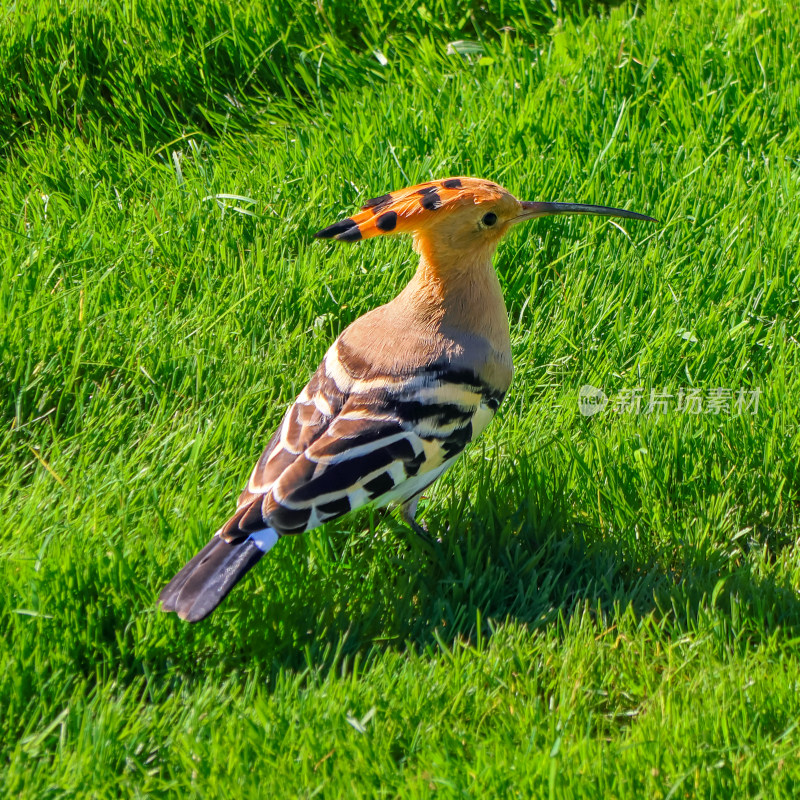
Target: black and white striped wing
(382,442)
(345,442)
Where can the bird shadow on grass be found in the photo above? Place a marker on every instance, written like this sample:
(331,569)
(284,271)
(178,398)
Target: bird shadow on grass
(524,555)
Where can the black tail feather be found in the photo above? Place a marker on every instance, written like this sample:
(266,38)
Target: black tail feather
(205,581)
(169,594)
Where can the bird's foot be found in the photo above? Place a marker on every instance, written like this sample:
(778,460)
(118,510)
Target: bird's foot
(430,546)
(420,530)
(422,538)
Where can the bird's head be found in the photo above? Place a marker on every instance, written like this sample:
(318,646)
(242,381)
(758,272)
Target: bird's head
(456,216)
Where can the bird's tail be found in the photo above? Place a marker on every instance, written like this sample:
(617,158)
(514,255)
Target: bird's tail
(205,581)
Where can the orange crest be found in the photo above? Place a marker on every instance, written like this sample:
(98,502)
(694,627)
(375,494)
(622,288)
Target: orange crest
(406,210)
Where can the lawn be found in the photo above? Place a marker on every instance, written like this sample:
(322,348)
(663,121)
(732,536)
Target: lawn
(613,610)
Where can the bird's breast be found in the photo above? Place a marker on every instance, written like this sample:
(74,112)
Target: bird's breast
(398,341)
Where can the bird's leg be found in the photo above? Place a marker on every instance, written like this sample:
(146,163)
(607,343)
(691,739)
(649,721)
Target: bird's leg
(409,512)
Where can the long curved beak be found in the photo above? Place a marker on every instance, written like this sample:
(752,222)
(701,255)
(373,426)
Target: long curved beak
(534,210)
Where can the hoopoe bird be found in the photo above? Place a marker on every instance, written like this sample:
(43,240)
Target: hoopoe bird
(400,393)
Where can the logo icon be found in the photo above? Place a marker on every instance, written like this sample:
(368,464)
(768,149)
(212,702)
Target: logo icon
(591,400)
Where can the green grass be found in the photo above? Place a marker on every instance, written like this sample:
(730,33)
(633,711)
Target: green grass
(614,611)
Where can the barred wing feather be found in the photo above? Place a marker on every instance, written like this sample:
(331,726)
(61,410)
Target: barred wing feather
(335,452)
(344,443)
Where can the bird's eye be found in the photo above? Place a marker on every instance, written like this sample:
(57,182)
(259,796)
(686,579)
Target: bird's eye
(489,219)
